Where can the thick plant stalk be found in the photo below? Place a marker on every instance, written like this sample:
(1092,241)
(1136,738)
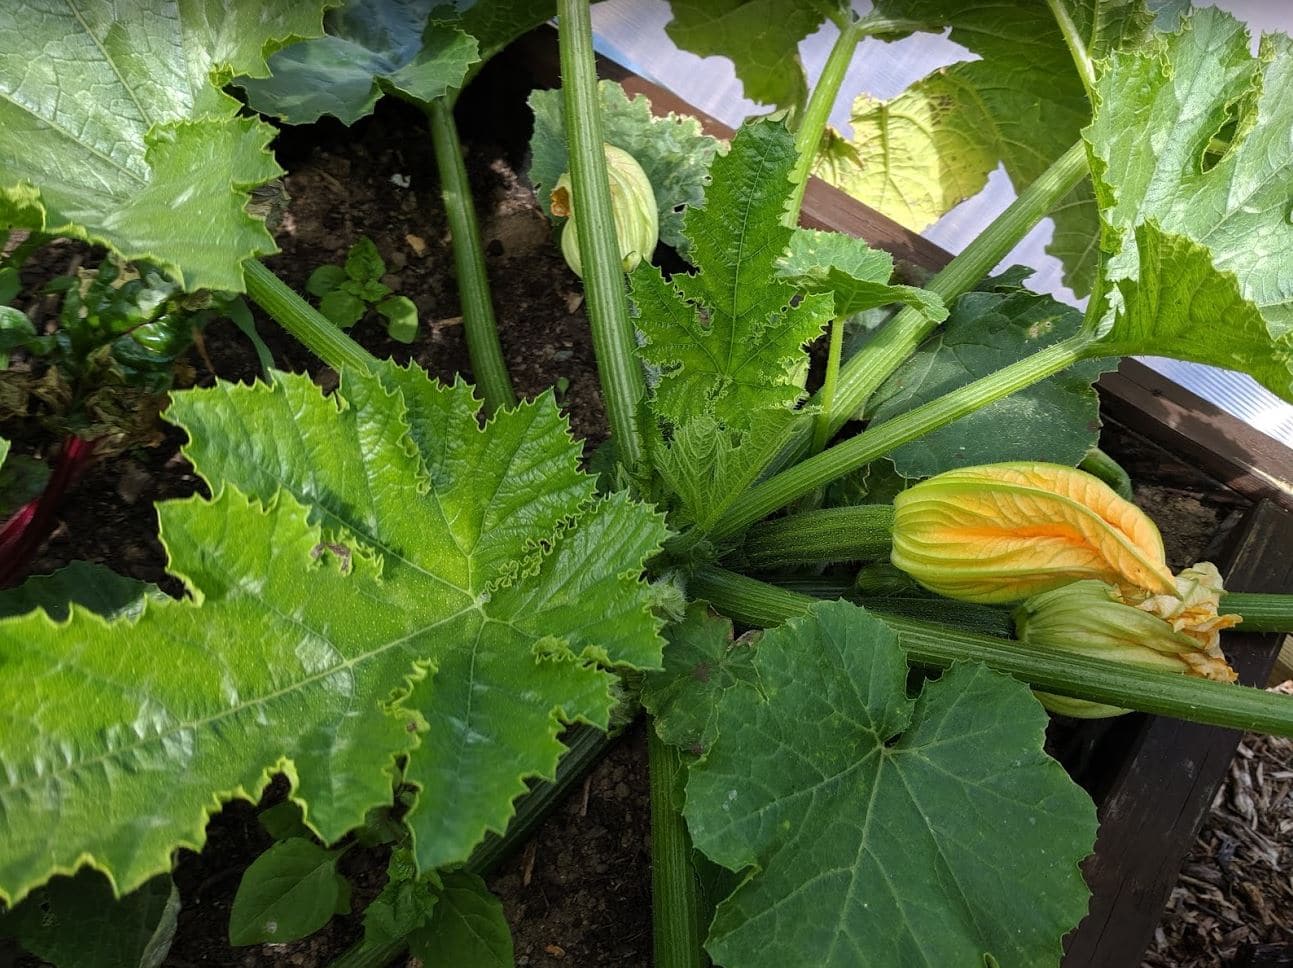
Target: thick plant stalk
(938,646)
(584,749)
(861,533)
(316,332)
(1261,613)
(808,134)
(781,489)
(812,123)
(862,375)
(479,324)
(621,376)
(675,898)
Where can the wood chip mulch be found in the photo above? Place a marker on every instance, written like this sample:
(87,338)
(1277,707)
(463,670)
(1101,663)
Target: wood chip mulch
(1235,893)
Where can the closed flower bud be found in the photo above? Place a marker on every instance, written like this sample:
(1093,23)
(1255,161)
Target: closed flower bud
(1090,618)
(637,219)
(1000,533)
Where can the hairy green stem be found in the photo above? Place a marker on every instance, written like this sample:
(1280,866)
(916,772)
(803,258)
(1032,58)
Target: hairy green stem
(860,533)
(1261,613)
(478,322)
(586,746)
(812,124)
(1101,465)
(896,340)
(1076,45)
(780,489)
(316,332)
(621,376)
(937,646)
(675,898)
(822,422)
(893,343)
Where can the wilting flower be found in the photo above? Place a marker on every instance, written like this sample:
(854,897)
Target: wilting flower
(1193,609)
(1000,533)
(1092,618)
(637,219)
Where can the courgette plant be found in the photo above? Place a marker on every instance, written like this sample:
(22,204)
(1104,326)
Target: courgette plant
(399,604)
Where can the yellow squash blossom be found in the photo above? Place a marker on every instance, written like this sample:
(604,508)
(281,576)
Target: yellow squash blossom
(1000,533)
(1088,565)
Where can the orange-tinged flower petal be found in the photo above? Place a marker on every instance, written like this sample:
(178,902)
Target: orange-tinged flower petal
(1000,533)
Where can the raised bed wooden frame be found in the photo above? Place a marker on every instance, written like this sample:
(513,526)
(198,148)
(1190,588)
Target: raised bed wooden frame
(1153,799)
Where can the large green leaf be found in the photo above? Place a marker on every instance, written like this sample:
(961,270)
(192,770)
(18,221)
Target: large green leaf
(371,47)
(672,150)
(76,922)
(112,128)
(760,37)
(1021,105)
(388,542)
(1180,305)
(1200,246)
(727,340)
(878,830)
(1056,420)
(494,535)
(496,23)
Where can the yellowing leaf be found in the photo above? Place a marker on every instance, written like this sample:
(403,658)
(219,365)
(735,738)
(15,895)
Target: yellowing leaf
(1003,532)
(1020,104)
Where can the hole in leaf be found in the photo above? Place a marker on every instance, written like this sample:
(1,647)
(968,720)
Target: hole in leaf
(1218,146)
(1228,134)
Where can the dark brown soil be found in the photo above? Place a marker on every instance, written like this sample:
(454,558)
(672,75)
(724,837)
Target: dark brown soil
(578,893)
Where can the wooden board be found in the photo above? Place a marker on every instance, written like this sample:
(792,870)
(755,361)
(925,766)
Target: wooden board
(1231,452)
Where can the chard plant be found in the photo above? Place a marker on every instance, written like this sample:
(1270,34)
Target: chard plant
(96,380)
(399,595)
